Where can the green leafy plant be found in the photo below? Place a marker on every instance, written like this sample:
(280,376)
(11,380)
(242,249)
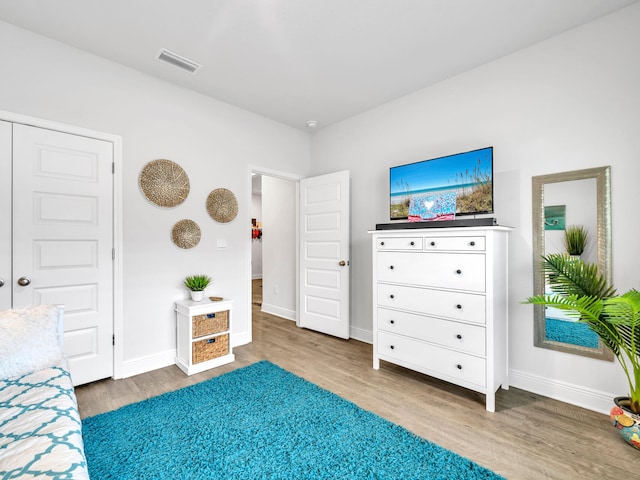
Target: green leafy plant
(197,283)
(575,239)
(580,290)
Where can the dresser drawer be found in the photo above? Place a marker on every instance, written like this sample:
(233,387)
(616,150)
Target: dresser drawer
(467,244)
(467,307)
(399,243)
(459,271)
(448,333)
(440,361)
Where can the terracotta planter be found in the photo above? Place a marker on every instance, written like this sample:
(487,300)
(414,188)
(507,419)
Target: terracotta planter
(627,422)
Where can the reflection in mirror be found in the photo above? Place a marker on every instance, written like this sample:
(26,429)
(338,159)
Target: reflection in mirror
(563,203)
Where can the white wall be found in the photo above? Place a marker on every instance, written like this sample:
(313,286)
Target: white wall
(568,103)
(214,142)
(279,246)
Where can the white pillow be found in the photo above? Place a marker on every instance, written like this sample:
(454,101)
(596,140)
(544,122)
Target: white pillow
(29,340)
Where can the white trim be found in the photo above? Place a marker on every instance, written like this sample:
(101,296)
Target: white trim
(588,398)
(286,176)
(240,339)
(279,311)
(361,334)
(272,173)
(148,363)
(118,268)
(116,140)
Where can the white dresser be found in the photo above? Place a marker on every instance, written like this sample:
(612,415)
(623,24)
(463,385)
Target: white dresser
(440,304)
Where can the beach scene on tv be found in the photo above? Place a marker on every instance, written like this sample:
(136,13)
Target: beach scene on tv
(440,189)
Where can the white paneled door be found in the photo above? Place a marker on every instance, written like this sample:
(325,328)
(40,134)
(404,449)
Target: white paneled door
(324,254)
(63,239)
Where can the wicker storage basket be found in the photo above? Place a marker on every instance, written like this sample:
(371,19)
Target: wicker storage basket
(210,348)
(210,323)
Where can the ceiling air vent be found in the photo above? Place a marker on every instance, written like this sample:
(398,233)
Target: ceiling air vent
(178,61)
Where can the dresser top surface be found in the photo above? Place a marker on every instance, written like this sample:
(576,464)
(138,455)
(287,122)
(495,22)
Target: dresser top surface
(437,231)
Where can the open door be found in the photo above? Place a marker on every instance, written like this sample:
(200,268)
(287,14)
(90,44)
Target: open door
(324,254)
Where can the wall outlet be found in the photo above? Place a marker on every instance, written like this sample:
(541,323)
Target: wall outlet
(275,289)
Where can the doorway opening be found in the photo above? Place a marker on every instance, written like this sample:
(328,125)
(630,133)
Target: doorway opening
(274,244)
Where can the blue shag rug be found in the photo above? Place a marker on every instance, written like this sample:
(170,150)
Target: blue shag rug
(575,333)
(261,422)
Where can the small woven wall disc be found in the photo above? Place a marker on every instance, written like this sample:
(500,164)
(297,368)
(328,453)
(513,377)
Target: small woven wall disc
(186,234)
(222,205)
(164,183)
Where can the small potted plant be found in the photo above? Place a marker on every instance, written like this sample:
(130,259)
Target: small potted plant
(575,240)
(196,285)
(580,290)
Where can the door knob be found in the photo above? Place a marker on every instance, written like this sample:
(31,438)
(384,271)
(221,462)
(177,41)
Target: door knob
(24,281)
(342,263)
(1,282)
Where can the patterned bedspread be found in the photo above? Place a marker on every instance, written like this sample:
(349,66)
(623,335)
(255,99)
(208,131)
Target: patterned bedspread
(40,428)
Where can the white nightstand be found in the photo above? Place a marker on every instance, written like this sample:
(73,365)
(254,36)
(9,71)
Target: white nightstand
(203,335)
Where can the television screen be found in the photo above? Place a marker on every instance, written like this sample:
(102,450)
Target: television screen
(442,188)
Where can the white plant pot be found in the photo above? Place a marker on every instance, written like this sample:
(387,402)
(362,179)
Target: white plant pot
(197,296)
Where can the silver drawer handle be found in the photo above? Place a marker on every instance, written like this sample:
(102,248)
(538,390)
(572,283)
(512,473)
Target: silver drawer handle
(24,281)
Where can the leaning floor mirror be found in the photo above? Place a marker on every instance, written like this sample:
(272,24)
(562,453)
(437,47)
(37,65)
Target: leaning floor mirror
(564,203)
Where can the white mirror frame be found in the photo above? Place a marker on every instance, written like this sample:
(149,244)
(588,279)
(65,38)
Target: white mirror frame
(603,193)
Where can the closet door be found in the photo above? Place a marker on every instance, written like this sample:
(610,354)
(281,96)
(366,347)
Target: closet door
(63,239)
(5,215)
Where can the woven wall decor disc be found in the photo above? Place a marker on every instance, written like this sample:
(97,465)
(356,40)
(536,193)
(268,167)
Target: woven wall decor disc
(164,183)
(186,233)
(222,205)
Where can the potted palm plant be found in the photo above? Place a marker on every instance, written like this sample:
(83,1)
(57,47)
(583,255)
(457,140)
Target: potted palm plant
(579,289)
(575,239)
(196,285)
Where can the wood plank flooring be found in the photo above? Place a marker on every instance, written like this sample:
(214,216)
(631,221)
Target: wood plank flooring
(529,436)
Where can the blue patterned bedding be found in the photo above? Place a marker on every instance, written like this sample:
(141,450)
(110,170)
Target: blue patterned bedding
(40,428)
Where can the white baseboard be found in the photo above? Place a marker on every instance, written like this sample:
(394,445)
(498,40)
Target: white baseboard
(279,311)
(565,392)
(361,334)
(238,339)
(148,363)
(166,358)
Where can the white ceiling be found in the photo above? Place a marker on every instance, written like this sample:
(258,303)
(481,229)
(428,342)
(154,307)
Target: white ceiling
(299,60)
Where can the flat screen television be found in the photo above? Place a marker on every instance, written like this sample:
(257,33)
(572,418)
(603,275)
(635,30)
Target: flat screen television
(442,188)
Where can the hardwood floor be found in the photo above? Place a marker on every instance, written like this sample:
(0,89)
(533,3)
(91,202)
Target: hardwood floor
(529,436)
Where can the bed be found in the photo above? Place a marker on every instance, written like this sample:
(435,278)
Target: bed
(40,427)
